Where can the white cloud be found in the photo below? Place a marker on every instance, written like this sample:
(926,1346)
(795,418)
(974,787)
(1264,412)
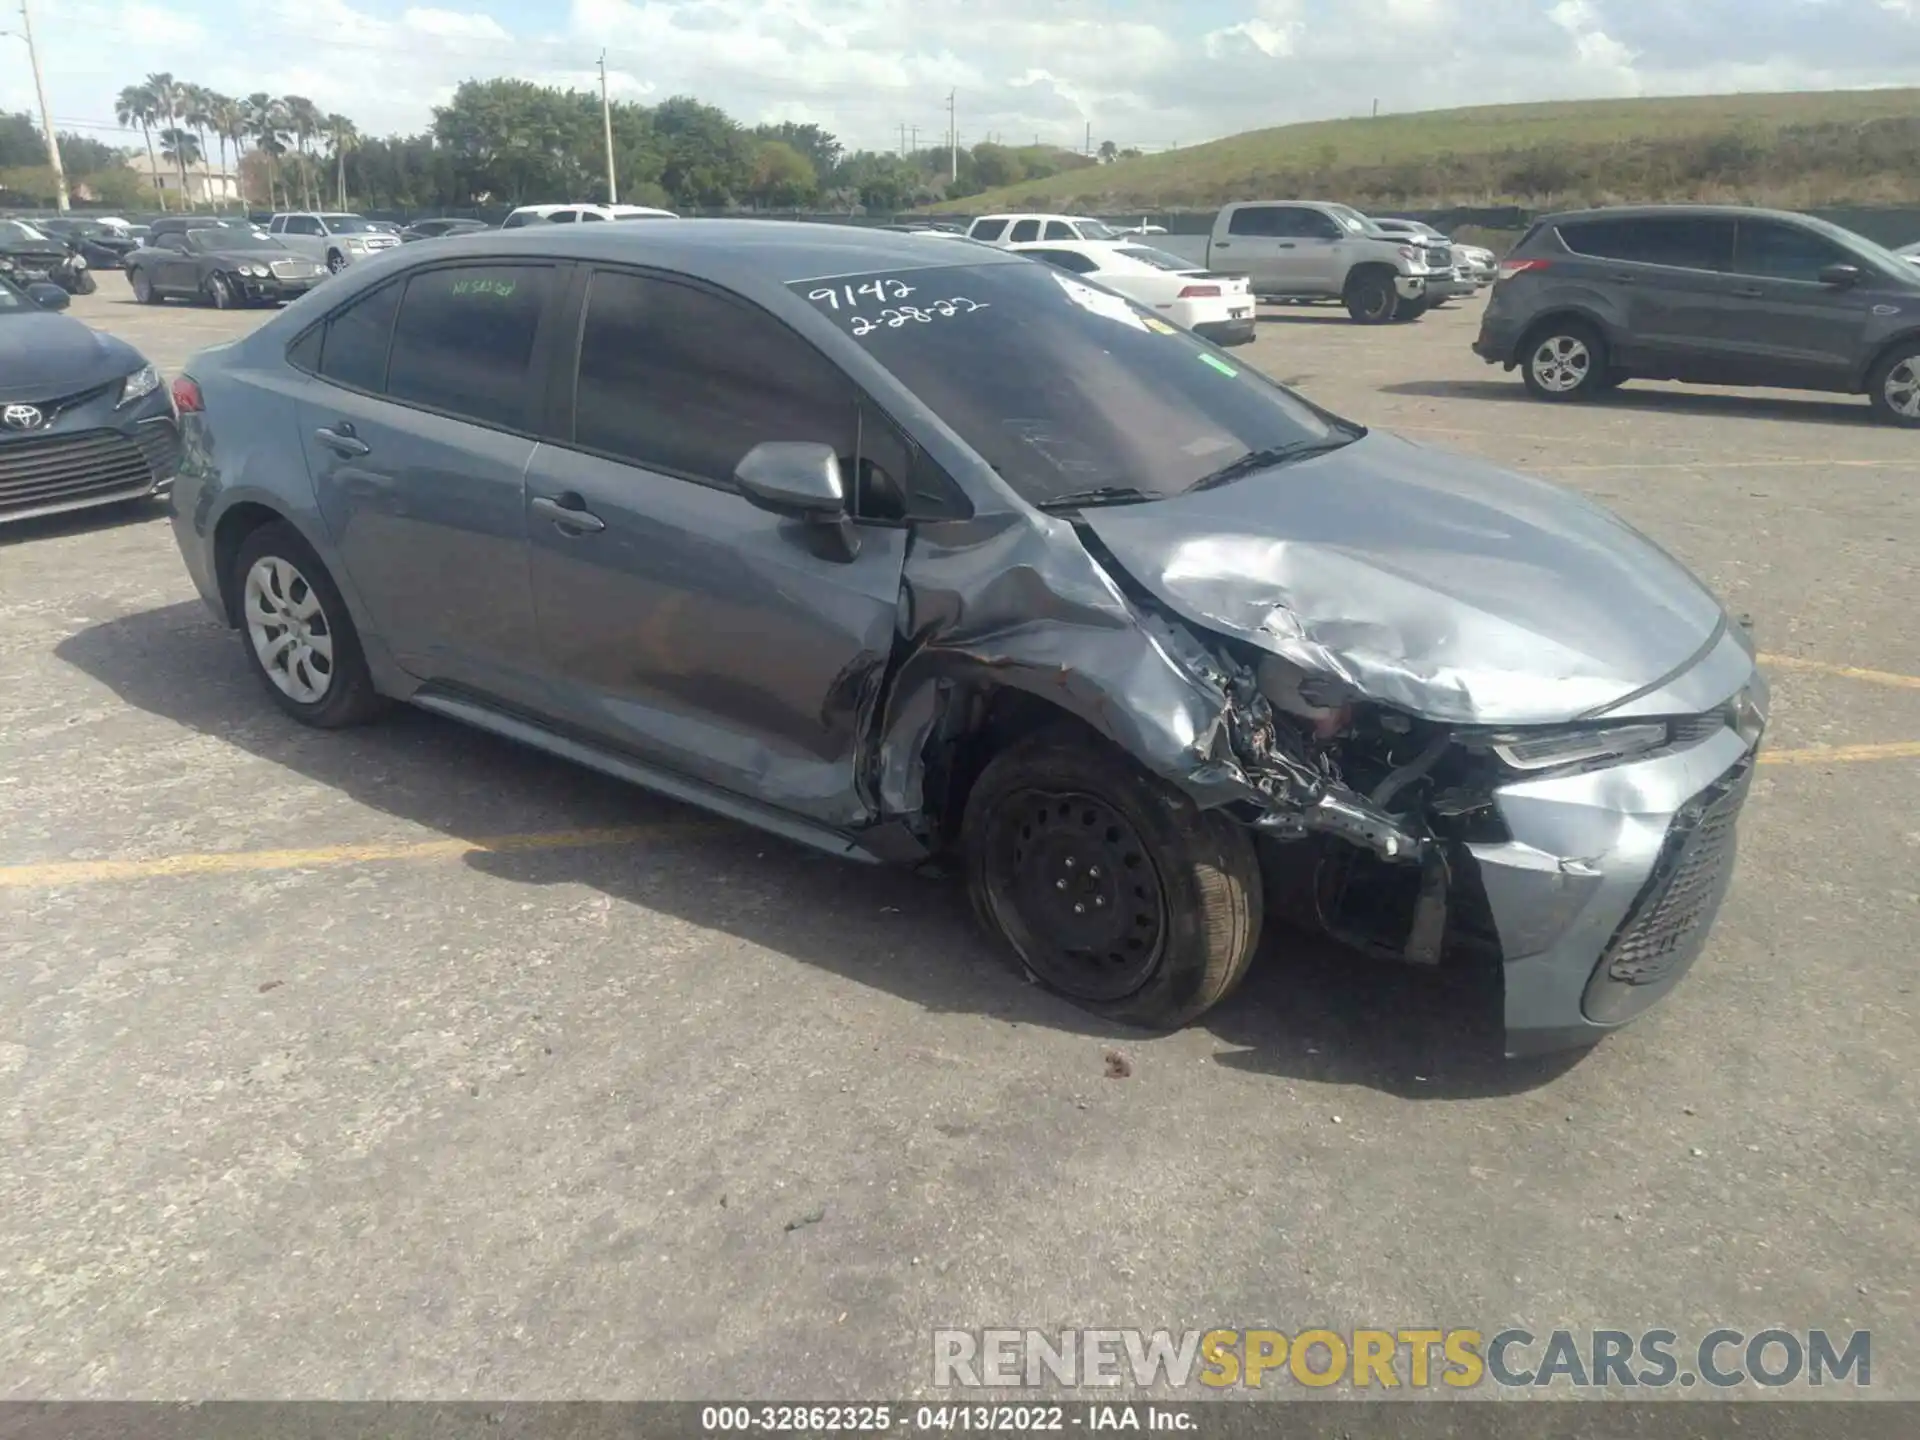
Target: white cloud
(1141,72)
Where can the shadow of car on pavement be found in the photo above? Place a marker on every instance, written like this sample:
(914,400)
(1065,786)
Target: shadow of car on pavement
(1309,1010)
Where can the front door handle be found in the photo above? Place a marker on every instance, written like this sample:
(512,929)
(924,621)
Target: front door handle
(1620,279)
(569,511)
(1283,245)
(1751,292)
(1223,244)
(342,441)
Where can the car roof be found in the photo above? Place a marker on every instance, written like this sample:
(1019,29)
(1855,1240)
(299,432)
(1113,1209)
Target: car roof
(1651,212)
(745,255)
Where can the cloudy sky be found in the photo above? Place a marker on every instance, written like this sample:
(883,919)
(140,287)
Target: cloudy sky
(1151,73)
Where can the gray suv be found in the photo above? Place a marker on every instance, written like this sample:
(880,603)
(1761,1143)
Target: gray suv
(901,549)
(1710,295)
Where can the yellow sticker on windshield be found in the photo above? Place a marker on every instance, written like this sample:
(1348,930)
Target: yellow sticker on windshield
(1217,363)
(1159,327)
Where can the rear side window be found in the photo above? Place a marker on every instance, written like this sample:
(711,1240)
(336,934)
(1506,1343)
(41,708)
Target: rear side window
(679,379)
(988,229)
(354,352)
(464,341)
(1254,220)
(1685,242)
(1067,260)
(1777,251)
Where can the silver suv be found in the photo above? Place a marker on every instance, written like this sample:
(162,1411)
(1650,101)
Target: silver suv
(333,238)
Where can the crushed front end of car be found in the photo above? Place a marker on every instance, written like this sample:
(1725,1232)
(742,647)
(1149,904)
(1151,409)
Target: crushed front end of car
(1472,718)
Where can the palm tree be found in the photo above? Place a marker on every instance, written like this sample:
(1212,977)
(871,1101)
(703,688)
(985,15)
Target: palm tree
(228,122)
(181,146)
(306,120)
(266,123)
(167,96)
(194,100)
(135,106)
(342,136)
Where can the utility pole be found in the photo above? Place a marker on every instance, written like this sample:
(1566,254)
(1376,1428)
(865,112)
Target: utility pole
(606,126)
(1089,137)
(913,144)
(46,115)
(953,141)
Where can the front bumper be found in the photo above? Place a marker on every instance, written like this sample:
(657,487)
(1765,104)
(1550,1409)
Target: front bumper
(1604,894)
(92,455)
(1451,287)
(272,288)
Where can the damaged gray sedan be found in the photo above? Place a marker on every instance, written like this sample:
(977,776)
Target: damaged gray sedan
(903,548)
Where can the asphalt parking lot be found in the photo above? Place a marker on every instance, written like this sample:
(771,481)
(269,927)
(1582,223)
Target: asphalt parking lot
(405,1063)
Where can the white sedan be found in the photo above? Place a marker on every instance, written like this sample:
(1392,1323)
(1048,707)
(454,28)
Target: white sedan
(1215,307)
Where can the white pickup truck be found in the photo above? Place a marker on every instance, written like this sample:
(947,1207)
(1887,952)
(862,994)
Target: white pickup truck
(1317,250)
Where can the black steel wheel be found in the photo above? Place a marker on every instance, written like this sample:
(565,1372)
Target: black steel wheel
(1113,888)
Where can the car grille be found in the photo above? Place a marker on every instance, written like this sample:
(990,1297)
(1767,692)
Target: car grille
(1439,257)
(92,464)
(290,269)
(1691,878)
(382,242)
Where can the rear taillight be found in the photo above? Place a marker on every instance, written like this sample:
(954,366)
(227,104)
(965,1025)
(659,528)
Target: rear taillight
(186,396)
(1199,292)
(1511,268)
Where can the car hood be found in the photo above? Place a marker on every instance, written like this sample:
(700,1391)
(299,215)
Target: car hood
(46,356)
(1428,581)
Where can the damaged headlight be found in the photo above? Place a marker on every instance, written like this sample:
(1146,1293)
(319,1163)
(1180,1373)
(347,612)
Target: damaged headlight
(1579,747)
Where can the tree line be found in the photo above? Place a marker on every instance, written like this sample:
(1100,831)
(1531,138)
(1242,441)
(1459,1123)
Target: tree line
(505,142)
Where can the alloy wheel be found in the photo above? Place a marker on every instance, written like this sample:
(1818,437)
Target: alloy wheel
(1902,389)
(1561,363)
(1078,877)
(289,630)
(336,262)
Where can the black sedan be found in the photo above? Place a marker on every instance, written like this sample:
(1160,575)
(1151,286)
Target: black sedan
(28,254)
(220,267)
(438,229)
(84,418)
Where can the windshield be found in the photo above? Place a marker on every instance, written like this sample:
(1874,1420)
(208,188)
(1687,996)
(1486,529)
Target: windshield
(1349,217)
(1064,388)
(348,225)
(1892,263)
(208,240)
(1096,230)
(18,232)
(1159,259)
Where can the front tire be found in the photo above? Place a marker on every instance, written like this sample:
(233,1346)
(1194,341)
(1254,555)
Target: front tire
(85,284)
(143,290)
(336,262)
(1894,386)
(1113,889)
(298,636)
(1565,360)
(1411,310)
(220,294)
(1371,298)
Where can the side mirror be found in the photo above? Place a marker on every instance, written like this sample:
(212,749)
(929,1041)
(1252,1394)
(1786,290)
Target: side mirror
(1841,276)
(800,480)
(48,296)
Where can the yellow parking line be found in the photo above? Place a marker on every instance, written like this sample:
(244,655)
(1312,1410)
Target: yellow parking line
(231,862)
(1843,754)
(1845,672)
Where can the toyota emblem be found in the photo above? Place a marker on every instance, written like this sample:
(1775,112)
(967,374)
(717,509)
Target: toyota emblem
(21,417)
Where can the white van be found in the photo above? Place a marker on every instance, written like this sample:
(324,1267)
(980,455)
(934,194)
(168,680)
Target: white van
(1025,229)
(569,214)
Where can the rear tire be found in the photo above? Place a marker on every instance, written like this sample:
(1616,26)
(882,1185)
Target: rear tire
(1113,888)
(143,290)
(297,633)
(1371,298)
(86,284)
(1894,386)
(1565,360)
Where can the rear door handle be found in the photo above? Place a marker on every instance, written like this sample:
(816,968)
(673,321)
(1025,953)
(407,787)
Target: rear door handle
(1283,244)
(1751,292)
(342,441)
(1223,244)
(1621,279)
(569,511)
